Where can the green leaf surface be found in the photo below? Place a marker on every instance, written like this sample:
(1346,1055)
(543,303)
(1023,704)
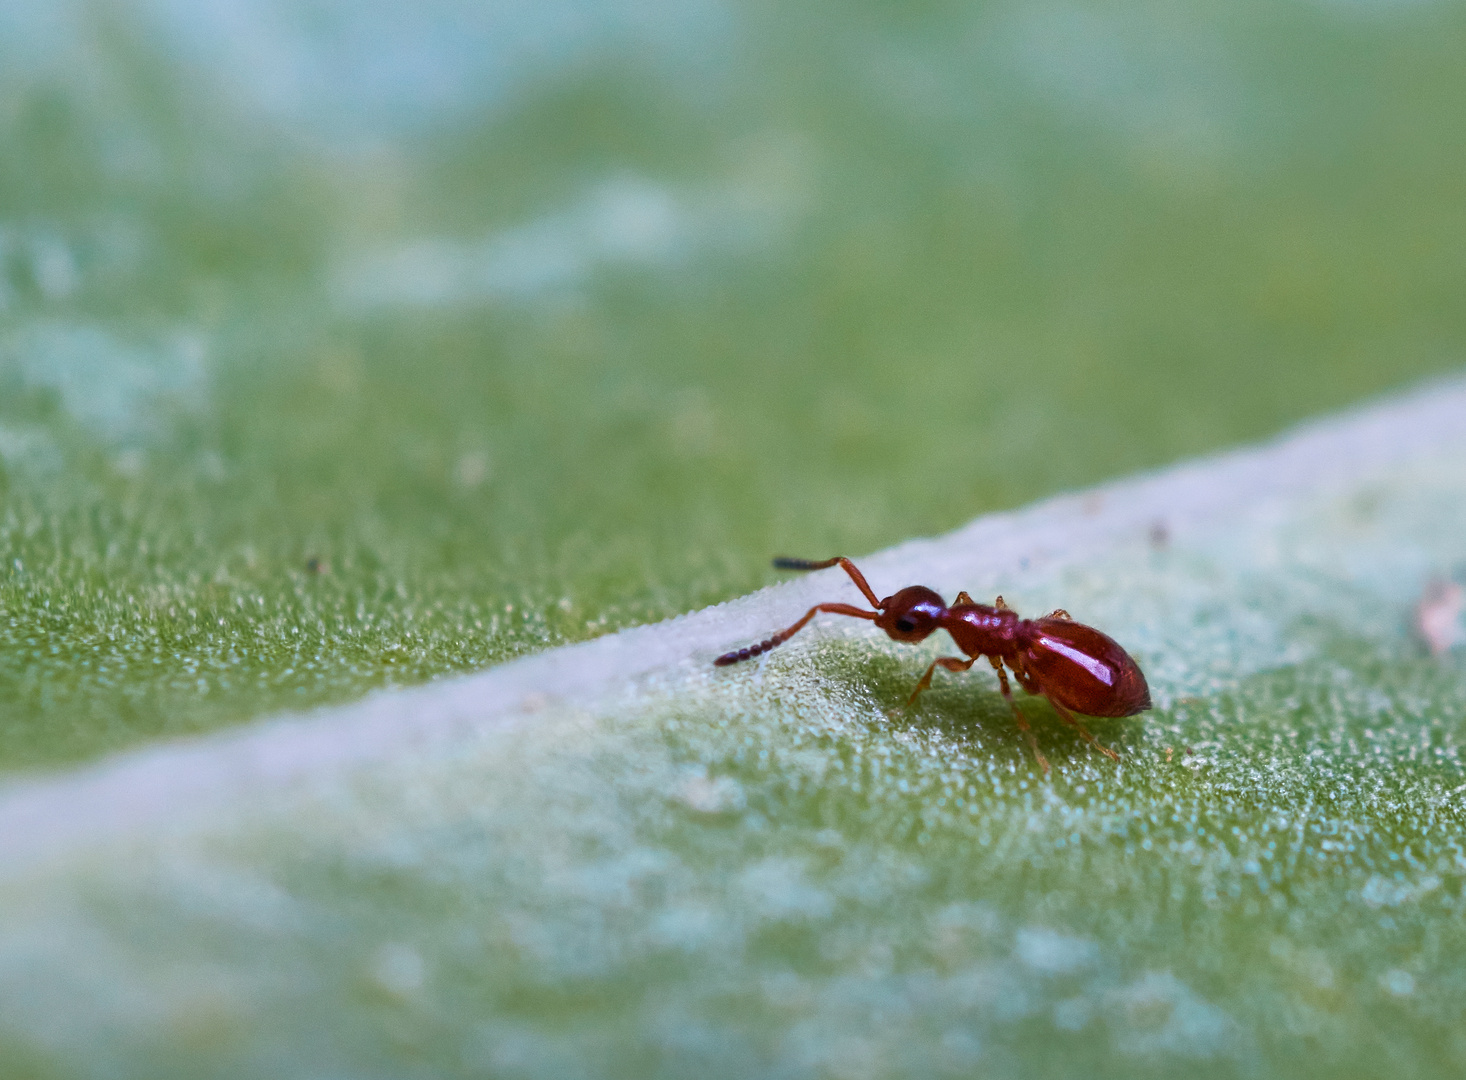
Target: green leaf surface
(347,351)
(615,859)
(420,360)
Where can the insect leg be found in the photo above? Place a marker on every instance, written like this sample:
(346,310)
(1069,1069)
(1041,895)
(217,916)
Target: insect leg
(1018,713)
(1025,680)
(1074,722)
(1059,613)
(951,663)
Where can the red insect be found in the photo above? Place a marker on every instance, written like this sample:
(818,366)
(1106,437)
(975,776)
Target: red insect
(1079,669)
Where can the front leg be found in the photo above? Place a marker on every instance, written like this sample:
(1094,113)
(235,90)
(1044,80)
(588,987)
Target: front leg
(951,663)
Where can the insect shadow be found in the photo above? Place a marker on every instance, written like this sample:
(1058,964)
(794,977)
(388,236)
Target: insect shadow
(963,710)
(973,715)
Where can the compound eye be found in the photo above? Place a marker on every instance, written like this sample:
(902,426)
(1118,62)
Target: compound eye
(905,625)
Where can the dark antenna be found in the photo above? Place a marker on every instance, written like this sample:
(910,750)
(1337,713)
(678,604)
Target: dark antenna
(782,636)
(785,563)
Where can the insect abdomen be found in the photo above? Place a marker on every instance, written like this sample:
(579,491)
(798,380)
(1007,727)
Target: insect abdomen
(1083,669)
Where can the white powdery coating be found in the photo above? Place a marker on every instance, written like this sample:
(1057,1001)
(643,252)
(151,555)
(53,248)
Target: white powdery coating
(1221,526)
(112,387)
(626,221)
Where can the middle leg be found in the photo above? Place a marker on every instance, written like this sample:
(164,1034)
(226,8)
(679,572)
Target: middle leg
(1018,713)
(1020,672)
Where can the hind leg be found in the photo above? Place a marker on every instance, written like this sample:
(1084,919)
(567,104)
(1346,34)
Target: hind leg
(1018,713)
(1074,722)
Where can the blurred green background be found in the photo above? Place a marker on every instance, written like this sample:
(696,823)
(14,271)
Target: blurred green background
(347,344)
